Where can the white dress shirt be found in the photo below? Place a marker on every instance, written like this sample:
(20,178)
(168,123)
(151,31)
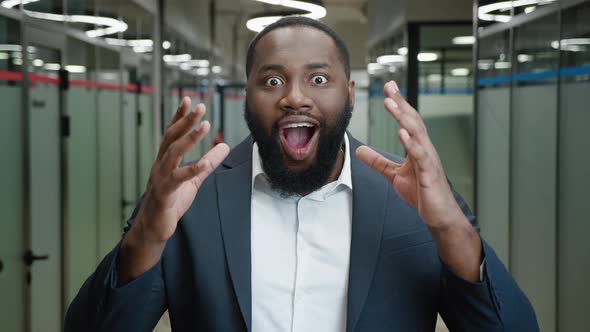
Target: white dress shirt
(300,254)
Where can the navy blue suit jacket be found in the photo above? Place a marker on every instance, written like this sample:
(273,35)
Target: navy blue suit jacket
(396,279)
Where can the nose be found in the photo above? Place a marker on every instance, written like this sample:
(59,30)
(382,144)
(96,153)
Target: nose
(295,98)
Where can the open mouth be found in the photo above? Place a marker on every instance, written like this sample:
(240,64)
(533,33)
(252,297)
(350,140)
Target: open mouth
(299,136)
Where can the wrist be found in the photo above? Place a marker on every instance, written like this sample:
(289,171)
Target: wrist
(448,222)
(143,235)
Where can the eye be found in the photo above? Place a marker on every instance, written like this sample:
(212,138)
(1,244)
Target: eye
(273,81)
(319,79)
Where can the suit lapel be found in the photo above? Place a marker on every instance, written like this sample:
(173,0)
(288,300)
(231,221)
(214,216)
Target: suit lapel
(370,193)
(233,198)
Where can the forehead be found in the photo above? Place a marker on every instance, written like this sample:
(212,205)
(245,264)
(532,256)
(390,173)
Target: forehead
(296,45)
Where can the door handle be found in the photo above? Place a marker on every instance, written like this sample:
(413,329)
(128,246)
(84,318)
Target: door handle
(30,258)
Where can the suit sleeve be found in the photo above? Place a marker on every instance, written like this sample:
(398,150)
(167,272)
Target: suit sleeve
(494,304)
(102,306)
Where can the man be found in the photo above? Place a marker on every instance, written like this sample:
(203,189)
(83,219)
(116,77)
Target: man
(300,228)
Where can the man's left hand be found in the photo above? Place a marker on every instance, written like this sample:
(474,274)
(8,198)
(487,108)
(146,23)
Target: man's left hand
(420,180)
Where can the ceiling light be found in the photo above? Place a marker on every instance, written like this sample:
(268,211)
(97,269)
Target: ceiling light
(485,64)
(502,65)
(434,77)
(52,66)
(10,47)
(312,8)
(38,63)
(375,68)
(402,51)
(427,57)
(391,58)
(16,48)
(76,69)
(198,63)
(166,45)
(464,40)
(524,58)
(530,9)
(14,3)
(4,56)
(175,58)
(202,71)
(216,69)
(460,72)
(142,49)
(571,44)
(130,42)
(392,69)
(17,62)
(113,25)
(110,76)
(484,12)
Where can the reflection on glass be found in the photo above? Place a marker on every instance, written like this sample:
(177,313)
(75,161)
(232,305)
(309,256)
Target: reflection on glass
(494,64)
(536,59)
(575,44)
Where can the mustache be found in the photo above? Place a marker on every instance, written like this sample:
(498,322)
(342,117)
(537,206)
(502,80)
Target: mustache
(319,119)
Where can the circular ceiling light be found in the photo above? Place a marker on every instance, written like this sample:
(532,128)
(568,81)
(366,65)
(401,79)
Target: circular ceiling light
(107,25)
(309,8)
(486,13)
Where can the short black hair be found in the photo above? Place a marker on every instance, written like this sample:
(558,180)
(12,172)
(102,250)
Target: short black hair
(288,21)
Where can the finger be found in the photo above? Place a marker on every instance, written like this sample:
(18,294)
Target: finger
(173,156)
(404,113)
(181,111)
(415,149)
(180,128)
(376,161)
(198,172)
(403,118)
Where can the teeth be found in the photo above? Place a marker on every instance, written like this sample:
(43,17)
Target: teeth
(300,124)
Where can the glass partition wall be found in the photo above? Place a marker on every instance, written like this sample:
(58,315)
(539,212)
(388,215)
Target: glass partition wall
(79,135)
(533,70)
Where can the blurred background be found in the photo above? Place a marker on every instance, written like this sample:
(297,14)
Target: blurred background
(87,87)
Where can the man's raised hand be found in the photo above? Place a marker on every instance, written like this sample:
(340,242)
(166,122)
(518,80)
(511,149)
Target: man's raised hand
(420,180)
(171,187)
(170,192)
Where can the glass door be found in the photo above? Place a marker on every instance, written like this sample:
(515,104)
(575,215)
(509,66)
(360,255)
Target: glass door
(43,249)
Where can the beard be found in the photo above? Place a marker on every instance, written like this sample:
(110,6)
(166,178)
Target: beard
(289,182)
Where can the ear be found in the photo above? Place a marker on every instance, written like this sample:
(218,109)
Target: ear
(351,93)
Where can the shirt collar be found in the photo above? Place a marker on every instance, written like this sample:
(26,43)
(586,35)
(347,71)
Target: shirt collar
(345,177)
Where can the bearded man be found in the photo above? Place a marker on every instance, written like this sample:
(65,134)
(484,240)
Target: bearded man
(300,227)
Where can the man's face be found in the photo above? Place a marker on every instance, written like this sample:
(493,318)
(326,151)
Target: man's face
(298,106)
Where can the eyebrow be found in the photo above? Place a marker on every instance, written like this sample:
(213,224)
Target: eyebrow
(270,67)
(277,67)
(318,65)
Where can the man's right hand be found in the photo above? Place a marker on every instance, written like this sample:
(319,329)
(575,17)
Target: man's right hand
(170,191)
